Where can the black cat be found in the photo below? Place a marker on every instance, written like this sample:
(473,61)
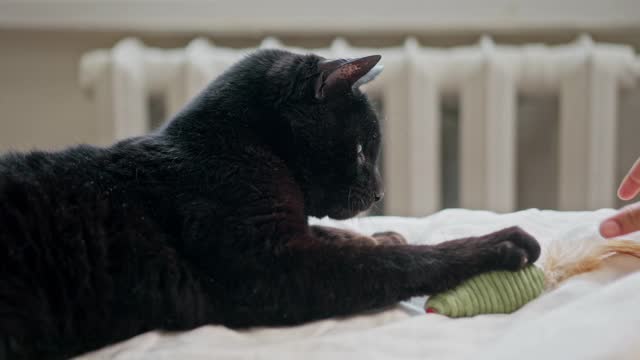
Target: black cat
(205,220)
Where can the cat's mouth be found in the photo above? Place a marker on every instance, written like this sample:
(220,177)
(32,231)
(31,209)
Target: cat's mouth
(354,206)
(342,214)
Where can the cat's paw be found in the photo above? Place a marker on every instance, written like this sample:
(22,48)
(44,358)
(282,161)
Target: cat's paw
(513,248)
(507,249)
(389,238)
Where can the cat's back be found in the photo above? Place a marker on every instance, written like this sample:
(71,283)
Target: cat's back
(48,182)
(44,224)
(60,227)
(73,174)
(41,174)
(37,166)
(76,188)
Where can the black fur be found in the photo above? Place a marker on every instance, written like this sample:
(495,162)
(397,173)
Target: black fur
(205,220)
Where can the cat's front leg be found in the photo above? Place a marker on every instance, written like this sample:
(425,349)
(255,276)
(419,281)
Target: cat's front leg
(313,279)
(342,236)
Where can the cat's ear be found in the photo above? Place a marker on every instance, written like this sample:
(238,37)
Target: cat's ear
(339,76)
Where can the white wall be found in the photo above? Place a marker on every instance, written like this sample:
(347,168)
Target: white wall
(40,102)
(233,16)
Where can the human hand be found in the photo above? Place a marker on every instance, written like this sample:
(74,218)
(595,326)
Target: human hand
(627,220)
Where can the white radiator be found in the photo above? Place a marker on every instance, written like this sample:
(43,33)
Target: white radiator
(487,78)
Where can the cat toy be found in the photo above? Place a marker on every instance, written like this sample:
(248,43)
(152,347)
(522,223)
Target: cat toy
(503,292)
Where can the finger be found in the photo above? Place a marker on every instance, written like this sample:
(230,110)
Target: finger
(626,221)
(630,185)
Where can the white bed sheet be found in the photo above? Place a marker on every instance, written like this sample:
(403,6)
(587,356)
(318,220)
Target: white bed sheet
(591,316)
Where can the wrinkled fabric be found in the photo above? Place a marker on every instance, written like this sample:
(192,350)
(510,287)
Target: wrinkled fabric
(590,316)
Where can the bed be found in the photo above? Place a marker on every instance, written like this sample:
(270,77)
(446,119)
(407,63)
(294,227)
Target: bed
(591,316)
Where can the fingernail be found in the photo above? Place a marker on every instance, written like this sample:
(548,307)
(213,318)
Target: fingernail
(628,189)
(624,194)
(610,228)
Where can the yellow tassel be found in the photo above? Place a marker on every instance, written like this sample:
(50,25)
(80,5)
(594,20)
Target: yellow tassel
(559,267)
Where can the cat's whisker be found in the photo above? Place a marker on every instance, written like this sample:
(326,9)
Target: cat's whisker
(376,207)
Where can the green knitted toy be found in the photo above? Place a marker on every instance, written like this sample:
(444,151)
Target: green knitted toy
(503,292)
(496,292)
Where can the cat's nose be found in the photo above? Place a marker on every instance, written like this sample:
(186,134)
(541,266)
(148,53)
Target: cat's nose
(378,188)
